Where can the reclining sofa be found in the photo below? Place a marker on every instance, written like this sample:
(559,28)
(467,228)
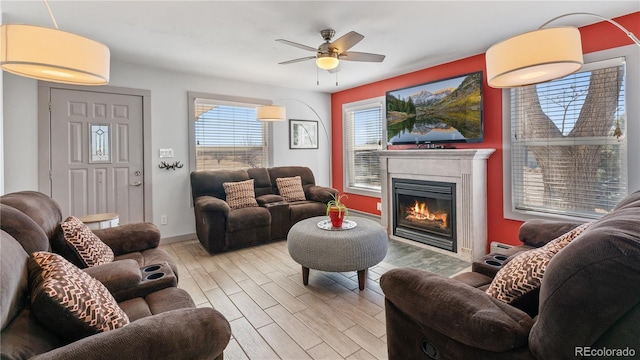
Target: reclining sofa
(164,321)
(587,303)
(220,227)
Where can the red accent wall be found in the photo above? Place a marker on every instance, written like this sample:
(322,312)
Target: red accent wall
(596,37)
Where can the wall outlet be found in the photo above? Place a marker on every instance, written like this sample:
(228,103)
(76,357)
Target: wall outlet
(379,206)
(164,220)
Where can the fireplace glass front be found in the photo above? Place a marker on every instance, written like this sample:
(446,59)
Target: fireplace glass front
(424,211)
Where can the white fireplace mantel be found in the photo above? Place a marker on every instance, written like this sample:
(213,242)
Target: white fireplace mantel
(467,168)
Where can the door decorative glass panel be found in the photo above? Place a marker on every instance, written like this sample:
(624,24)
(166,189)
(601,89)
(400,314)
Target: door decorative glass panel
(100,143)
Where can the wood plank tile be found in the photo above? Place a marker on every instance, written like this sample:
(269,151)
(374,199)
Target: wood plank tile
(254,274)
(327,312)
(323,352)
(299,332)
(282,343)
(290,286)
(332,336)
(190,286)
(230,268)
(368,341)
(283,297)
(361,355)
(203,279)
(257,262)
(233,351)
(222,303)
(257,294)
(185,256)
(251,311)
(358,301)
(225,282)
(358,316)
(317,285)
(253,345)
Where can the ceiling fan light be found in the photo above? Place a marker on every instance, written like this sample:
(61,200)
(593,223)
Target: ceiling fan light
(271,113)
(534,57)
(327,62)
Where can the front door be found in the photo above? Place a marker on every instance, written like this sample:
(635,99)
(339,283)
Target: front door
(97,153)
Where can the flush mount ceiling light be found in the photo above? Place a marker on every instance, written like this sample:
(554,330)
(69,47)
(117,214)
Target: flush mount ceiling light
(538,56)
(53,55)
(327,61)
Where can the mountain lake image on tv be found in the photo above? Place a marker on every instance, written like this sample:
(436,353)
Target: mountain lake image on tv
(445,111)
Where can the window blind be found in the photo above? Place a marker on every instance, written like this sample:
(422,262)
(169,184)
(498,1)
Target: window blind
(363,138)
(568,143)
(228,136)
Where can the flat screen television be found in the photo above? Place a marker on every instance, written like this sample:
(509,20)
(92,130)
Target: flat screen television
(444,111)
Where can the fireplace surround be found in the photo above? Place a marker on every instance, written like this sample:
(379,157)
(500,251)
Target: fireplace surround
(466,171)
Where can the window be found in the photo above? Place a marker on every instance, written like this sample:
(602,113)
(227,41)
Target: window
(226,135)
(568,141)
(362,140)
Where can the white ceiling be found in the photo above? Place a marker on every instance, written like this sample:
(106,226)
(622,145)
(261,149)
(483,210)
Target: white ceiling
(235,39)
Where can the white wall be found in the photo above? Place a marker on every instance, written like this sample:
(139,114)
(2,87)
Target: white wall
(171,189)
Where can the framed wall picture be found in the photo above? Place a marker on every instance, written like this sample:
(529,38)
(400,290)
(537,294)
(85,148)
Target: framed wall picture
(303,134)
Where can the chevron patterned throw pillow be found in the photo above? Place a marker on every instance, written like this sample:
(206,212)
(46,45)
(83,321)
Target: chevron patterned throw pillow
(524,272)
(290,188)
(69,301)
(87,245)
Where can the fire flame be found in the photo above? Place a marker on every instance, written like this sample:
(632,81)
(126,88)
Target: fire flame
(421,212)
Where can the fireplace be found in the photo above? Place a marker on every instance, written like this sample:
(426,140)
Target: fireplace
(425,211)
(464,171)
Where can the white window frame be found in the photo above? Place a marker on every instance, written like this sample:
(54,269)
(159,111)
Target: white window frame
(355,106)
(223,100)
(631,55)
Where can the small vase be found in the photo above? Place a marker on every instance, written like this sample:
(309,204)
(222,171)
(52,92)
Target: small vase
(337,216)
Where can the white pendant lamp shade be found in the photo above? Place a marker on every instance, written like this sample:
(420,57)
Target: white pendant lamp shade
(328,62)
(271,113)
(534,57)
(53,55)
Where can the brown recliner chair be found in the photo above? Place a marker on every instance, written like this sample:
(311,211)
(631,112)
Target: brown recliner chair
(164,323)
(134,245)
(589,302)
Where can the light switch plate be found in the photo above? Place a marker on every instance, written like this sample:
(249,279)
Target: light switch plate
(166,153)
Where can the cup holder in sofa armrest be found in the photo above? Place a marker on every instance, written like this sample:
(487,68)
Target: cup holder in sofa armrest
(489,265)
(154,276)
(151,268)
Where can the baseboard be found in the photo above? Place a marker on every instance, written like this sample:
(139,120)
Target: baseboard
(366,215)
(175,239)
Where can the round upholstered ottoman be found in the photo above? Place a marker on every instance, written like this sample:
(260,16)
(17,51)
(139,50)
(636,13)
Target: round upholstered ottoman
(337,250)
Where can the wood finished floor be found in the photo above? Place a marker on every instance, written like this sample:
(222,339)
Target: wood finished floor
(274,316)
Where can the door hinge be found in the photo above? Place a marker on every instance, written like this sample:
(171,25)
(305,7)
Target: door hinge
(49,107)
(50,175)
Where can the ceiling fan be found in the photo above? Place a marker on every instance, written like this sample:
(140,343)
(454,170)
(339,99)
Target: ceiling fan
(329,54)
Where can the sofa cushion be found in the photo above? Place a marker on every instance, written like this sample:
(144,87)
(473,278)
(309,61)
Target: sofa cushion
(248,218)
(524,272)
(88,246)
(68,301)
(290,188)
(240,194)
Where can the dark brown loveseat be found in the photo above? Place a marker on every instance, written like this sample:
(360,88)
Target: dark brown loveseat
(588,302)
(220,228)
(165,322)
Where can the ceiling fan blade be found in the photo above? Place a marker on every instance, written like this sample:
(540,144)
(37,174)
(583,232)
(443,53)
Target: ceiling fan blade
(297,60)
(346,41)
(303,47)
(361,56)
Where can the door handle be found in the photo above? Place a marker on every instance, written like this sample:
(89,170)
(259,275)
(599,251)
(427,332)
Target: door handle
(136,183)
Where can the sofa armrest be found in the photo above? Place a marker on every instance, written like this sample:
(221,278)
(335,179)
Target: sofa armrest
(197,333)
(269,199)
(117,276)
(130,238)
(538,232)
(456,310)
(211,204)
(320,193)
